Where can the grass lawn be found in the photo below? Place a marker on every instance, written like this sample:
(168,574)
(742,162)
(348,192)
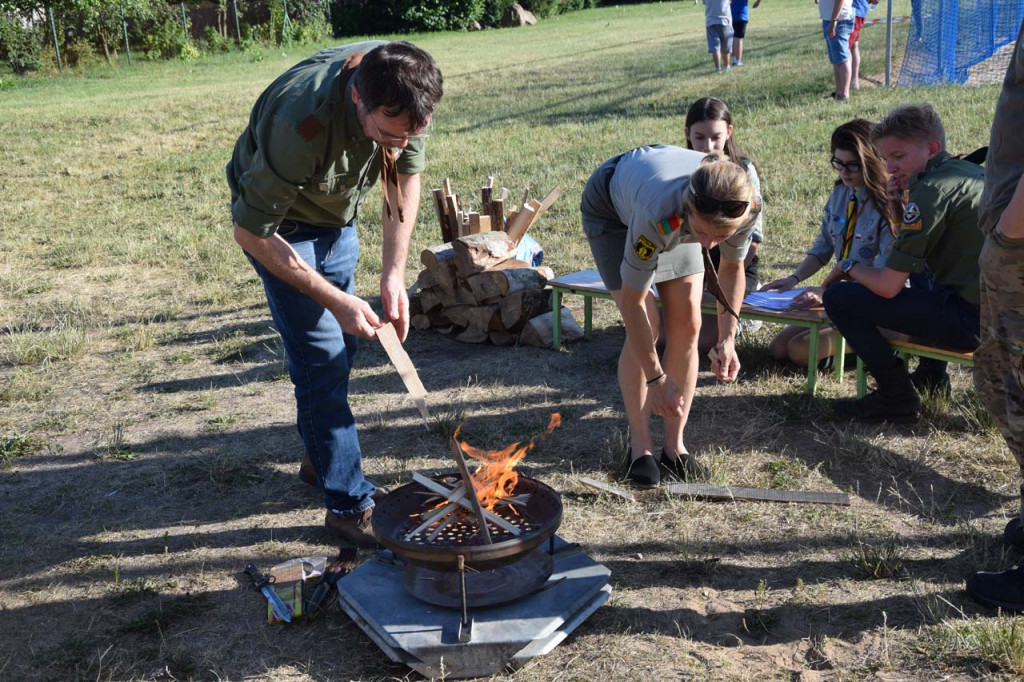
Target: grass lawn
(147,440)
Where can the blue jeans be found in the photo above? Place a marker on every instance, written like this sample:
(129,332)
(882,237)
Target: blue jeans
(320,359)
(937,316)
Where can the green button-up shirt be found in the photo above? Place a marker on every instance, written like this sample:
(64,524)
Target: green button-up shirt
(939,227)
(304,155)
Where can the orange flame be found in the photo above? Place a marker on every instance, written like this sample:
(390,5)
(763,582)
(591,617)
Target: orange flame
(497,478)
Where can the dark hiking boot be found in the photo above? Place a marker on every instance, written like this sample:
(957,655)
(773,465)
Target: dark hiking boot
(685,467)
(354,529)
(998,590)
(927,382)
(894,400)
(643,472)
(1013,535)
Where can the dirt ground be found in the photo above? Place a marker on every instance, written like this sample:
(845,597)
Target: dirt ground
(125,537)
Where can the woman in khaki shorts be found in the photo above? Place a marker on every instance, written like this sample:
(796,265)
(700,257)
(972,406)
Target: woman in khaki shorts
(648,214)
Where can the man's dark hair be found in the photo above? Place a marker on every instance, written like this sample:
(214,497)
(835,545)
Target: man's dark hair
(400,77)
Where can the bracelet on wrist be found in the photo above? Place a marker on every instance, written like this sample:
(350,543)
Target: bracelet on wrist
(656,379)
(797,279)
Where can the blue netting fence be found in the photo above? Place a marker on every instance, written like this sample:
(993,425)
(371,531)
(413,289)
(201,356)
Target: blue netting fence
(960,41)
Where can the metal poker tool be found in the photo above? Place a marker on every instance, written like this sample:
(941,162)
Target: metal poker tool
(263,584)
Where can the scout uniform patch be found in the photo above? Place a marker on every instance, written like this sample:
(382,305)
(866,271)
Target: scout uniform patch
(669,225)
(912,217)
(644,248)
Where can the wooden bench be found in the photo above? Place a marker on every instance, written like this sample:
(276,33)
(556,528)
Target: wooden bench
(906,345)
(588,284)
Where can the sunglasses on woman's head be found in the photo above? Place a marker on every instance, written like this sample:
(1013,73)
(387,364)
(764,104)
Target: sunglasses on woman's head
(851,167)
(730,208)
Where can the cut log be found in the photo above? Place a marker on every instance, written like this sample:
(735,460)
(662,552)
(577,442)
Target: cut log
(420,322)
(465,294)
(518,226)
(515,310)
(425,280)
(458,314)
(497,211)
(497,283)
(441,206)
(538,331)
(446,298)
(440,260)
(430,299)
(472,336)
(415,306)
(477,252)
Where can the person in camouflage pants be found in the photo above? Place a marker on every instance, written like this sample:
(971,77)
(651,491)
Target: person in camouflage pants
(999,359)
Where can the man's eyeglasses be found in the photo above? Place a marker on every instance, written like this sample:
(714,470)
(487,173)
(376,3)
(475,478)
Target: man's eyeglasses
(391,140)
(851,167)
(731,208)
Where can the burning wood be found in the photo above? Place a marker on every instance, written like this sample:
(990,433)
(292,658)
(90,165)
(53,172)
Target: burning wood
(478,495)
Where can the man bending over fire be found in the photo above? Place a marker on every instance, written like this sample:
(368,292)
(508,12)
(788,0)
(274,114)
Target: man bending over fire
(650,215)
(316,142)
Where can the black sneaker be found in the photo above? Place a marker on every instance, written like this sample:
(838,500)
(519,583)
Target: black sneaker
(998,590)
(685,467)
(643,471)
(1013,535)
(926,384)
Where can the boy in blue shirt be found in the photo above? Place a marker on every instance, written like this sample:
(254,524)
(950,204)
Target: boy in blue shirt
(740,17)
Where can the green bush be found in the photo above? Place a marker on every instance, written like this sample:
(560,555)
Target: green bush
(20,47)
(548,8)
(213,41)
(81,54)
(406,16)
(494,10)
(165,41)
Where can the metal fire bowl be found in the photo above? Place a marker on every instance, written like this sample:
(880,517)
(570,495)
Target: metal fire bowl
(398,513)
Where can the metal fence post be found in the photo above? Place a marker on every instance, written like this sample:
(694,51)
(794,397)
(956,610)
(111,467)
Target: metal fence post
(56,45)
(238,31)
(888,47)
(184,24)
(124,29)
(287,23)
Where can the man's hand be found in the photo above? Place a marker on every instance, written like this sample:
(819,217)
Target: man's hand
(894,193)
(395,301)
(355,316)
(783,284)
(665,398)
(832,26)
(724,361)
(810,298)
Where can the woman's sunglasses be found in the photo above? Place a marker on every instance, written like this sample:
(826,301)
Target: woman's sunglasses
(731,208)
(851,167)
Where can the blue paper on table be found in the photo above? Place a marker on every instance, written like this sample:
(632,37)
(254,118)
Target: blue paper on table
(772,300)
(530,251)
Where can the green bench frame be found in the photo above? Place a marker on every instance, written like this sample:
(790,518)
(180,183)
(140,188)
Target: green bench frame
(904,346)
(588,284)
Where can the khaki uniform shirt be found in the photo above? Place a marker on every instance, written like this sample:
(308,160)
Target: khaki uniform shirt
(647,192)
(304,155)
(939,229)
(872,237)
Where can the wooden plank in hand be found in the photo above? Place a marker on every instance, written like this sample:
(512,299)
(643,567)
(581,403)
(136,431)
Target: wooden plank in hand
(400,359)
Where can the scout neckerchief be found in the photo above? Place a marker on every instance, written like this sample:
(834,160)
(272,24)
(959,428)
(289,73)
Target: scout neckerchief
(389,175)
(852,214)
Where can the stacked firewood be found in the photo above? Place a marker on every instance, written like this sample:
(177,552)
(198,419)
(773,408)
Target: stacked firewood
(472,287)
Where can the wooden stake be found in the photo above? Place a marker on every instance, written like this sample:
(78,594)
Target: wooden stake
(467,481)
(436,487)
(442,215)
(717,492)
(497,214)
(605,488)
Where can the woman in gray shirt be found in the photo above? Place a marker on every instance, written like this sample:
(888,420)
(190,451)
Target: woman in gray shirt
(650,215)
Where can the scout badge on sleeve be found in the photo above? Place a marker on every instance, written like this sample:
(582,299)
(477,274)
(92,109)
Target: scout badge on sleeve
(644,248)
(912,217)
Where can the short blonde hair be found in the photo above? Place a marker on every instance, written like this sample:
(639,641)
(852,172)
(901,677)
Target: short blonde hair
(719,177)
(919,123)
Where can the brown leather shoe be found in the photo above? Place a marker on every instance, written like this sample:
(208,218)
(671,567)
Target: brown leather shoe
(307,474)
(355,529)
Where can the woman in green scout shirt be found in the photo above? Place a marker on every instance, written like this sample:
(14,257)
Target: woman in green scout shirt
(650,215)
(856,225)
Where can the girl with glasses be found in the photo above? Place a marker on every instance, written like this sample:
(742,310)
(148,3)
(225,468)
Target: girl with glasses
(648,215)
(709,129)
(856,225)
